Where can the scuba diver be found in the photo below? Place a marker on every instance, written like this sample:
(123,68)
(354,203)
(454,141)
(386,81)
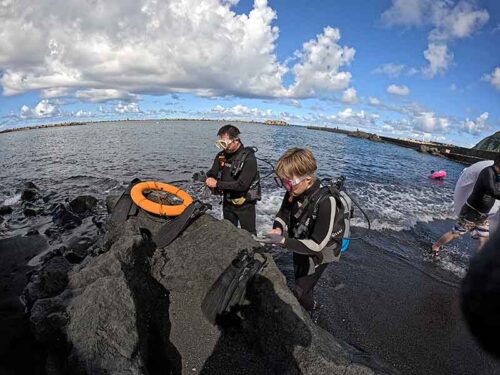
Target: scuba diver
(312,221)
(473,216)
(235,176)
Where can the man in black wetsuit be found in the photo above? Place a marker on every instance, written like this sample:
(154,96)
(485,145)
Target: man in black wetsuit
(234,174)
(313,247)
(473,216)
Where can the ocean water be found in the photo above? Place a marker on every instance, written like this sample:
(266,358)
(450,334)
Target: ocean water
(390,183)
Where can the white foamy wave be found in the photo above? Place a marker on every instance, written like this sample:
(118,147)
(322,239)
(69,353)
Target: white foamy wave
(397,207)
(11,200)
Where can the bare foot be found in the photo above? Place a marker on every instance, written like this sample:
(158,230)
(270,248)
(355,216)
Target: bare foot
(435,249)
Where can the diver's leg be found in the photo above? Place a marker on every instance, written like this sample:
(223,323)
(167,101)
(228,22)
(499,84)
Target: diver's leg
(229,214)
(305,279)
(445,238)
(482,233)
(246,215)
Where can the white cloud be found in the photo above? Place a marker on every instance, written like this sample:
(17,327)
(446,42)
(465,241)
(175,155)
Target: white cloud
(428,122)
(398,90)
(493,78)
(319,64)
(438,57)
(349,118)
(127,108)
(103,95)
(449,21)
(240,110)
(373,101)
(157,47)
(392,70)
(349,96)
(55,92)
(42,110)
(456,22)
(82,113)
(478,126)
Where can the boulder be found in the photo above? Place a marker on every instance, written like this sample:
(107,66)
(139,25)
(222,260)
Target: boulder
(50,281)
(65,219)
(136,309)
(5,210)
(29,212)
(30,185)
(83,204)
(29,195)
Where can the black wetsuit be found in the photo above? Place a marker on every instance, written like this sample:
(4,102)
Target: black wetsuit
(312,253)
(486,190)
(236,186)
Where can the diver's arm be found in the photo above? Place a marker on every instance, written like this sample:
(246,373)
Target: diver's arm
(283,216)
(212,172)
(321,234)
(245,178)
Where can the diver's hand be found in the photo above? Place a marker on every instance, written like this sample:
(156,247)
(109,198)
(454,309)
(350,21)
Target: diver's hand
(272,238)
(211,182)
(275,231)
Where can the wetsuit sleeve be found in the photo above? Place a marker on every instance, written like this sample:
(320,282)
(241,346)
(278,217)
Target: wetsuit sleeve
(321,233)
(245,177)
(212,172)
(492,185)
(283,216)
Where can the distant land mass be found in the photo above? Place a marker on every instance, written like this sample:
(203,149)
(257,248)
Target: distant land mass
(491,143)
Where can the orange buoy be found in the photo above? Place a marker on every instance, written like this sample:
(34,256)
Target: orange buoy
(157,208)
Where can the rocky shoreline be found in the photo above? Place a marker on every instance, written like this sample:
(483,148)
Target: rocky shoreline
(109,301)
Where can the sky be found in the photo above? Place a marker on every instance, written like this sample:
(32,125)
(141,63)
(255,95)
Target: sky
(422,69)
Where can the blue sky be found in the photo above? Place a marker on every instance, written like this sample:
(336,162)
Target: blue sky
(425,69)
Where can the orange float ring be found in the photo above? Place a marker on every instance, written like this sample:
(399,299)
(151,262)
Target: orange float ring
(156,208)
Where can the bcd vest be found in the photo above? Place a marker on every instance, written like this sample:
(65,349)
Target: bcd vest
(307,215)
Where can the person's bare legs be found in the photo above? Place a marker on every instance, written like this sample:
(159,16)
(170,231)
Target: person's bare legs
(445,238)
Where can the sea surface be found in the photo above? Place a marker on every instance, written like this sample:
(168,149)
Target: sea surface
(390,183)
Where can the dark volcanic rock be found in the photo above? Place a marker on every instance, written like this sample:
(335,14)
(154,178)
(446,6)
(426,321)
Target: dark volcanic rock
(15,337)
(30,185)
(4,210)
(83,204)
(65,219)
(49,282)
(29,212)
(29,195)
(136,309)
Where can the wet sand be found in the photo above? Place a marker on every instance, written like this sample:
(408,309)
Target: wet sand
(405,309)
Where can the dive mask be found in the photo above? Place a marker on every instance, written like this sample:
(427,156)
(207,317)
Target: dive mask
(222,144)
(288,184)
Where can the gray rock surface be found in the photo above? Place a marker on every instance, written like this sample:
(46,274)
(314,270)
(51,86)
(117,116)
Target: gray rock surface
(135,309)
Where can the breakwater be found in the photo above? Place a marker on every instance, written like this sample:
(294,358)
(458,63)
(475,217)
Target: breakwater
(456,153)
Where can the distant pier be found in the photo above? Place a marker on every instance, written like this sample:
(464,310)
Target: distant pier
(461,155)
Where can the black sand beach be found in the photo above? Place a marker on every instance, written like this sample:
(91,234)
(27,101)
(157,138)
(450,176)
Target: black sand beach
(405,312)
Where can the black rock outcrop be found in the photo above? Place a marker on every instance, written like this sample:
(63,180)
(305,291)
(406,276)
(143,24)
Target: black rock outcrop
(133,308)
(83,204)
